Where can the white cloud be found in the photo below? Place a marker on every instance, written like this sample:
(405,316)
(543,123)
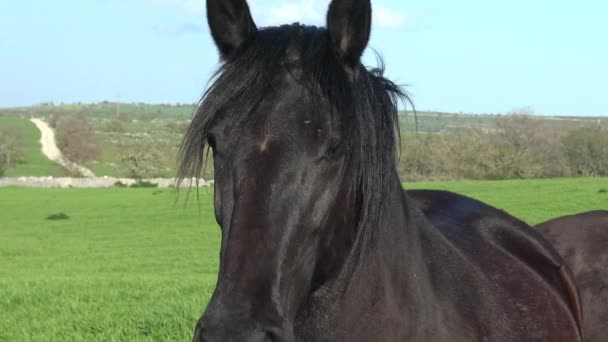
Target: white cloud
(179,29)
(304,11)
(286,12)
(190,6)
(313,12)
(384,17)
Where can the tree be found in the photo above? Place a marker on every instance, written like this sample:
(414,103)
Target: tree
(10,149)
(526,147)
(77,139)
(587,151)
(142,161)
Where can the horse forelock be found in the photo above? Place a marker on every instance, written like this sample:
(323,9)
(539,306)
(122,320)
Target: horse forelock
(364,106)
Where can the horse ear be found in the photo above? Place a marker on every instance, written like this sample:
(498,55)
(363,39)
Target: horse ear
(230,23)
(349,25)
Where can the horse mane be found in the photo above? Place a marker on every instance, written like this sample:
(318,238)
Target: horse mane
(364,105)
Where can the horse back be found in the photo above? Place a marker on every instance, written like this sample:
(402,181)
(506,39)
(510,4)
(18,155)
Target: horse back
(585,234)
(582,240)
(518,270)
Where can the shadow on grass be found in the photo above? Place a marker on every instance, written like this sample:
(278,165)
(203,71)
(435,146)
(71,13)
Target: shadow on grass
(59,216)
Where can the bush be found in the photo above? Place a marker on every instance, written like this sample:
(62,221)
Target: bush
(587,151)
(144,184)
(120,184)
(143,161)
(115,126)
(420,157)
(76,138)
(519,146)
(123,116)
(11,152)
(177,127)
(524,148)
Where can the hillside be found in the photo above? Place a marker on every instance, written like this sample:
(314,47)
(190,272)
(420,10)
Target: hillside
(127,134)
(32,161)
(428,121)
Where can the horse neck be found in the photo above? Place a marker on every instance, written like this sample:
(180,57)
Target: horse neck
(392,241)
(386,257)
(377,275)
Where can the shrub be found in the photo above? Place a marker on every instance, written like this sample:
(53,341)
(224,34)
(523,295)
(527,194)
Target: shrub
(11,152)
(115,126)
(587,151)
(518,146)
(142,161)
(76,138)
(120,184)
(144,184)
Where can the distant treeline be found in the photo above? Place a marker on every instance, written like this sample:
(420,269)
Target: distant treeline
(106,109)
(118,139)
(519,146)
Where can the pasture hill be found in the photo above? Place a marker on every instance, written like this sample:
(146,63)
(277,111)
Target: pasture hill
(140,140)
(20,153)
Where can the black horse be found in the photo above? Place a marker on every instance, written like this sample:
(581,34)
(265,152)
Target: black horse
(319,241)
(582,240)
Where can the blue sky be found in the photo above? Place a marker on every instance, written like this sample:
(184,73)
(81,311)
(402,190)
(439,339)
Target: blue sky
(469,56)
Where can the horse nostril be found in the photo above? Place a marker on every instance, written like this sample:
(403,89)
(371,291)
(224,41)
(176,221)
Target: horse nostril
(264,336)
(270,337)
(276,335)
(211,330)
(259,336)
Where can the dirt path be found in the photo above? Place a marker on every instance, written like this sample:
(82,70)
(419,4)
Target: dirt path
(51,151)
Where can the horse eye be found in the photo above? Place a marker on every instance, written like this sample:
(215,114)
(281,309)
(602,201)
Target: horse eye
(334,148)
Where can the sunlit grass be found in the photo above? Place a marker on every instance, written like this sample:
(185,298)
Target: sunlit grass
(34,163)
(137,265)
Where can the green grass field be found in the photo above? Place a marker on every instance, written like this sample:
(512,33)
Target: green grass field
(34,162)
(137,265)
(128,264)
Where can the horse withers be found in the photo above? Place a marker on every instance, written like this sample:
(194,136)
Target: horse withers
(582,240)
(319,240)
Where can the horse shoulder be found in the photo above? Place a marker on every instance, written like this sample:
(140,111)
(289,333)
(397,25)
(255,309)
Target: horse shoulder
(498,246)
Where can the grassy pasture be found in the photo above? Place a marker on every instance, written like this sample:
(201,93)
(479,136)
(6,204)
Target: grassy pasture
(34,163)
(137,265)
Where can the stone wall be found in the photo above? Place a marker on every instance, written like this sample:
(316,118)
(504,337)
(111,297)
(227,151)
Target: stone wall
(92,182)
